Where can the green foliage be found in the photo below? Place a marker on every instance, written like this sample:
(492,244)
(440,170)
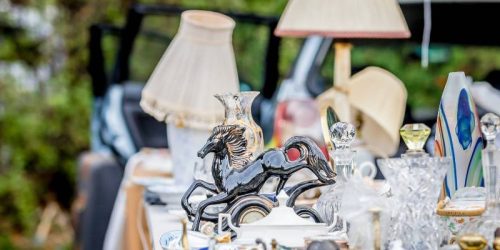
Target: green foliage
(5,242)
(40,137)
(42,130)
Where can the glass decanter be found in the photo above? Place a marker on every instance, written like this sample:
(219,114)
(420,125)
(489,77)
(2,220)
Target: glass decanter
(415,180)
(490,220)
(329,203)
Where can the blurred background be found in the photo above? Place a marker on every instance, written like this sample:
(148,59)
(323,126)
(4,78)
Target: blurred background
(51,74)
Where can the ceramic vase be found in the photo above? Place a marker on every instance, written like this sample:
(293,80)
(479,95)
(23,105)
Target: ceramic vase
(458,135)
(238,111)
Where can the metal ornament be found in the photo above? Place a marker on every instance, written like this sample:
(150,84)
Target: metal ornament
(238,179)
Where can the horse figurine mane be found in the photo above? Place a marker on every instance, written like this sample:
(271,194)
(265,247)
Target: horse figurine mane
(236,144)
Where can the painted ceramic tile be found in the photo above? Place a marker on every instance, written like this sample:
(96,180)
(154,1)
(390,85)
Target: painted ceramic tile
(458,135)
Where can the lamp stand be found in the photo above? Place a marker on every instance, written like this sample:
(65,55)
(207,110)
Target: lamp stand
(184,143)
(342,65)
(342,73)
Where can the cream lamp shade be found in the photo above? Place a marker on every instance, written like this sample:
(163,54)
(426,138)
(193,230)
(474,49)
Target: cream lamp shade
(343,19)
(379,98)
(198,64)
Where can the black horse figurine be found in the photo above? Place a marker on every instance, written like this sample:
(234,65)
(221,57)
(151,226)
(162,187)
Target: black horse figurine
(235,175)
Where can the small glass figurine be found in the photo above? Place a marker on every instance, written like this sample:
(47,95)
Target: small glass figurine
(416,180)
(490,219)
(329,203)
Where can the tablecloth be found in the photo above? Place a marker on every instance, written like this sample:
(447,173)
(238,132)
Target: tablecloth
(127,228)
(159,221)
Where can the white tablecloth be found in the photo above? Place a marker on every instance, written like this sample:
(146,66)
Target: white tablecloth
(159,222)
(148,160)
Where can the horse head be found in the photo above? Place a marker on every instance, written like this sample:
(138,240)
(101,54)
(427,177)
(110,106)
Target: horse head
(227,140)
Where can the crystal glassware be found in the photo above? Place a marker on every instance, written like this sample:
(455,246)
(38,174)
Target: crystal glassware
(238,111)
(415,179)
(490,219)
(329,203)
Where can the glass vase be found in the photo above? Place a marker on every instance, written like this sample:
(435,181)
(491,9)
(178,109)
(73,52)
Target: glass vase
(238,111)
(416,180)
(416,183)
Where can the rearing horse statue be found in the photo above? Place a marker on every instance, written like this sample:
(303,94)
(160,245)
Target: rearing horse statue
(235,175)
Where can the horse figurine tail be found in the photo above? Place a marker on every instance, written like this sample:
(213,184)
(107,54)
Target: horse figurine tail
(311,153)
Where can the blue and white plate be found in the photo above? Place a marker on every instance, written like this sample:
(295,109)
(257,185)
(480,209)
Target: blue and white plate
(172,240)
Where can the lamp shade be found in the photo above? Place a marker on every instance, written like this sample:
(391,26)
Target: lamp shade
(378,99)
(343,19)
(198,64)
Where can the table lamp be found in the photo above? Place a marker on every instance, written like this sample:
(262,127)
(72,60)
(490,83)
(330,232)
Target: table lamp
(198,64)
(351,19)
(343,19)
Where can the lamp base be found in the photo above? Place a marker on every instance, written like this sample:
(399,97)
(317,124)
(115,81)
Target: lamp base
(184,144)
(342,65)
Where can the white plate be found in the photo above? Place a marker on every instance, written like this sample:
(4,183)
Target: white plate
(151,181)
(170,194)
(166,188)
(171,240)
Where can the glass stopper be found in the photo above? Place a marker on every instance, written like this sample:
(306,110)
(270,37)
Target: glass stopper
(414,135)
(490,126)
(342,134)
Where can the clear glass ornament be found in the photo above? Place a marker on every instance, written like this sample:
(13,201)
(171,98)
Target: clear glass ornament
(489,221)
(329,203)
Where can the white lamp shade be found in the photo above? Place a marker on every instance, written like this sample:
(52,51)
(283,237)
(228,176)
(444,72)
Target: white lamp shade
(198,64)
(343,19)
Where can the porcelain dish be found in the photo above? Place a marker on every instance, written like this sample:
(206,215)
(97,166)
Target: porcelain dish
(466,205)
(171,240)
(282,224)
